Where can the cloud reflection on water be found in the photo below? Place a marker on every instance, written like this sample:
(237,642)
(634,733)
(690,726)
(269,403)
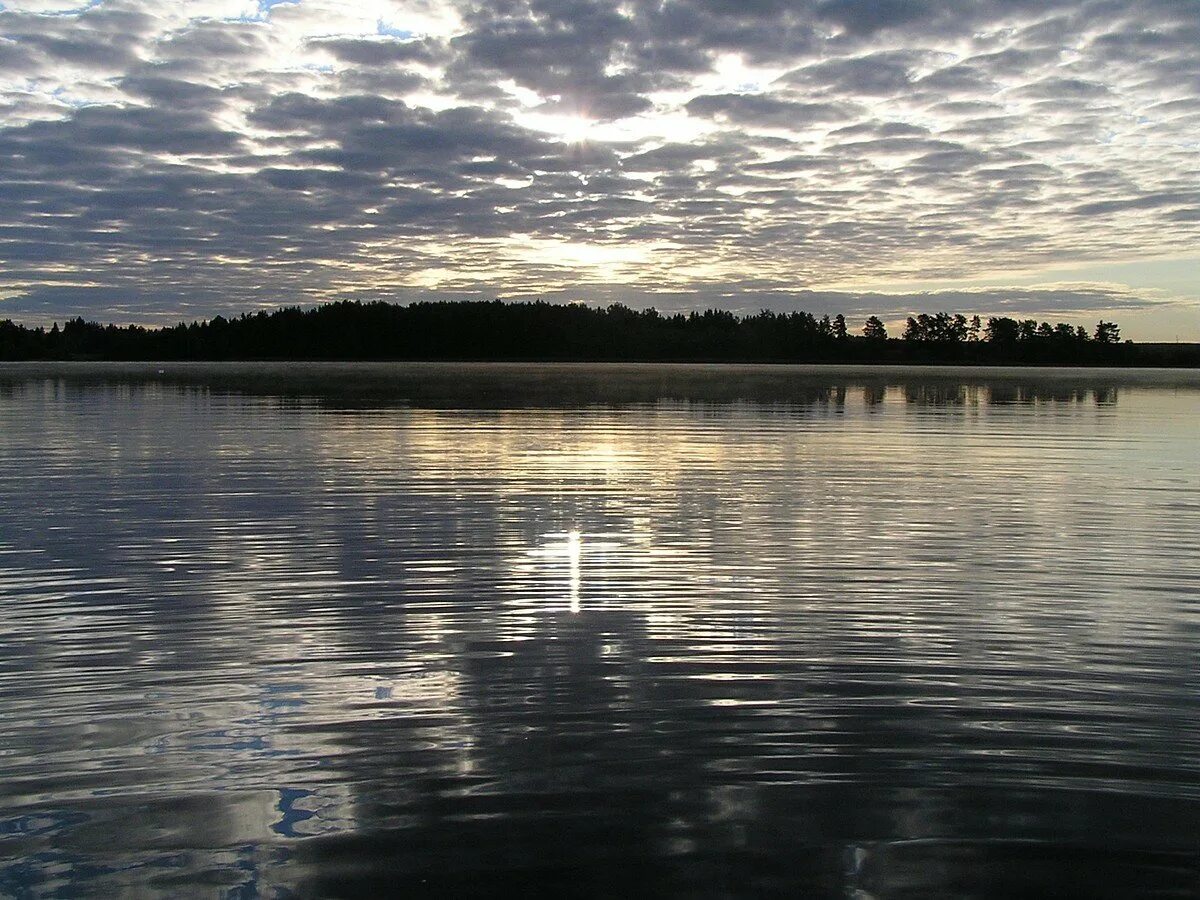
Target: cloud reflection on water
(293,643)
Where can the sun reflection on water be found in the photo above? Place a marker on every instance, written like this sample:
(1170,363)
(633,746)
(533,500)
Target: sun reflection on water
(564,546)
(574,553)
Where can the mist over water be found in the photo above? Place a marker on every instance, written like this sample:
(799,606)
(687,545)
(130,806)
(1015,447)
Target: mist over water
(275,630)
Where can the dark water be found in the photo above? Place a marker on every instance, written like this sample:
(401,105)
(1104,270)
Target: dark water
(708,632)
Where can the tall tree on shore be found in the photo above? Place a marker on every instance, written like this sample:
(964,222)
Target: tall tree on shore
(874,329)
(1002,330)
(940,328)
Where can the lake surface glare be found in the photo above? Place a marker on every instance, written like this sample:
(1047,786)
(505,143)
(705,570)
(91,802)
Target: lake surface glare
(324,630)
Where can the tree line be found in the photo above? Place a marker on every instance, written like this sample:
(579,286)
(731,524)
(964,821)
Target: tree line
(498,330)
(1001,330)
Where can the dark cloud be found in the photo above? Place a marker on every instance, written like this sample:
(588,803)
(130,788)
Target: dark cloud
(879,74)
(959,80)
(207,40)
(173,93)
(566,51)
(16,58)
(880,129)
(917,146)
(395,137)
(1063,89)
(99,38)
(379,52)
(761,109)
(672,157)
(386,82)
(1143,202)
(869,16)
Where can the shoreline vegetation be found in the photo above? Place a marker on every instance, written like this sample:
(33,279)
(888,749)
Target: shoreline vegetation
(547,332)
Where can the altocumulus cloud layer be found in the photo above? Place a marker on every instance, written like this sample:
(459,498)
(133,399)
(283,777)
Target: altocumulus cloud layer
(179,159)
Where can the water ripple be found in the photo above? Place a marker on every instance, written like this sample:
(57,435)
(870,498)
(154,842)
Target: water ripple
(864,635)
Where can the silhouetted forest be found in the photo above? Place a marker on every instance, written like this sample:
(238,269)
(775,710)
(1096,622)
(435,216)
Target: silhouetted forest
(546,331)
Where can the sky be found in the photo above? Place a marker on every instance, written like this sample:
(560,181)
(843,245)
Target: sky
(175,160)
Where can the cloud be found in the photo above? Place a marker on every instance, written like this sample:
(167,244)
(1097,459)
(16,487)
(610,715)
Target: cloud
(1143,202)
(868,16)
(162,156)
(874,75)
(759,109)
(379,51)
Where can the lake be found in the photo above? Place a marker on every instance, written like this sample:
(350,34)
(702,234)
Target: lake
(330,630)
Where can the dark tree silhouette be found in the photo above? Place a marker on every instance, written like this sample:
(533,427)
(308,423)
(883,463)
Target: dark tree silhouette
(874,329)
(1002,330)
(974,328)
(942,328)
(546,331)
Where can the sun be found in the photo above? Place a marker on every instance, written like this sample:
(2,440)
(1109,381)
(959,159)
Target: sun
(575,129)
(570,128)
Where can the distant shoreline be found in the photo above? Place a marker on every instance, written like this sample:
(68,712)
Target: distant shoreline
(544,332)
(383,372)
(955,367)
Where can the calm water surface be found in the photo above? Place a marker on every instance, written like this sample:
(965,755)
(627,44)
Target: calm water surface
(329,631)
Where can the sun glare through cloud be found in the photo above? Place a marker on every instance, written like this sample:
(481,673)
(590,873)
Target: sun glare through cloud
(572,129)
